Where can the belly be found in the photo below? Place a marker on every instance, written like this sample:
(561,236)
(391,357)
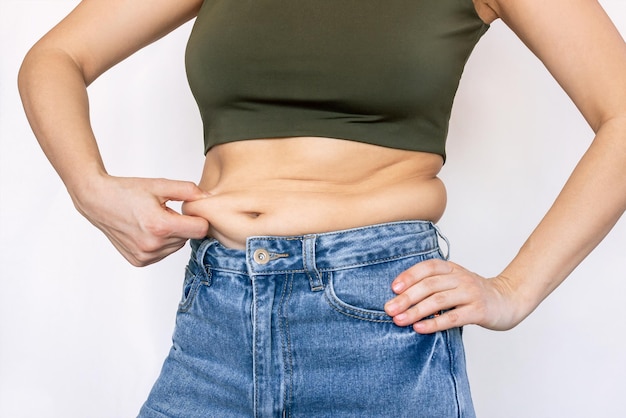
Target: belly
(299,186)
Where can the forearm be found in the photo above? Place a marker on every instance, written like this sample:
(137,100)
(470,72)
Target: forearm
(94,37)
(55,100)
(589,205)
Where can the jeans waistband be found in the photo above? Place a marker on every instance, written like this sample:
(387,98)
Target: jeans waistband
(336,250)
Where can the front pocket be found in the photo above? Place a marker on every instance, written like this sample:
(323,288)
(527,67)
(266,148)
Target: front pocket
(362,292)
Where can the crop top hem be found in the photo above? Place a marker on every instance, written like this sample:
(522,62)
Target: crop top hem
(318,134)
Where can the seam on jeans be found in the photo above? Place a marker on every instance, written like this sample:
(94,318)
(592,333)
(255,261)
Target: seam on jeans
(305,262)
(335,300)
(350,310)
(301,238)
(286,345)
(227,270)
(356,313)
(194,286)
(380,321)
(448,338)
(350,231)
(308,260)
(255,341)
(151,410)
(382,260)
(342,267)
(208,274)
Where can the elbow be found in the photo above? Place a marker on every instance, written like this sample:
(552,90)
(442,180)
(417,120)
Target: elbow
(29,76)
(45,65)
(25,72)
(32,73)
(44,62)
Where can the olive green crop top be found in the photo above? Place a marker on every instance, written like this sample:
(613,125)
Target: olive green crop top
(383,72)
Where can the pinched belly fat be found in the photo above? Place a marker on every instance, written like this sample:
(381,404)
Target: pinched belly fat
(282,188)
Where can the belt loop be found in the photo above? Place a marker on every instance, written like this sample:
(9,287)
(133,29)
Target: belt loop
(202,249)
(308,259)
(445,239)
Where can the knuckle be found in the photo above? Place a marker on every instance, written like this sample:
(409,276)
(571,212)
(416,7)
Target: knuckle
(439,298)
(436,266)
(430,266)
(431,285)
(139,259)
(141,263)
(453,317)
(158,228)
(468,279)
(414,312)
(189,186)
(146,246)
(403,300)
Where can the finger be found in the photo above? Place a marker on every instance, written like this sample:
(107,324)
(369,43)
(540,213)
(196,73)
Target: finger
(185,226)
(142,253)
(432,305)
(184,191)
(453,318)
(418,292)
(420,271)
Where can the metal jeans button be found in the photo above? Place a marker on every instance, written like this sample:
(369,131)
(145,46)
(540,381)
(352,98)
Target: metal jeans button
(261,256)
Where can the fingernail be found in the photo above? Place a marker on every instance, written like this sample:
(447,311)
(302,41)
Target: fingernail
(419,327)
(398,287)
(400,317)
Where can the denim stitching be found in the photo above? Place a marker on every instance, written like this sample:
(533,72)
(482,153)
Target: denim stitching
(185,305)
(452,372)
(286,344)
(152,411)
(337,268)
(209,275)
(254,350)
(308,257)
(305,262)
(227,270)
(349,231)
(356,312)
(353,312)
(382,260)
(336,308)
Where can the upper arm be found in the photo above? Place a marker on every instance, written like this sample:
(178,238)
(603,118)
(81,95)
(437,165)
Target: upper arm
(97,34)
(579,45)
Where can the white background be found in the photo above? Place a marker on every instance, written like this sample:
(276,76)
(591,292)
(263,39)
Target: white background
(83,334)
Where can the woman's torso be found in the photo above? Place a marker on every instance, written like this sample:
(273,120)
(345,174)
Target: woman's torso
(309,185)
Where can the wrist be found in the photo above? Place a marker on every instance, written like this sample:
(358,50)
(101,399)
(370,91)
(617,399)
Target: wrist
(85,187)
(521,301)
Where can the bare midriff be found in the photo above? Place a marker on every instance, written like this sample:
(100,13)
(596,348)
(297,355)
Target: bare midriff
(296,186)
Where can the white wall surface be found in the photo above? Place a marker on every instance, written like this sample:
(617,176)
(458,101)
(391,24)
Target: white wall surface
(83,334)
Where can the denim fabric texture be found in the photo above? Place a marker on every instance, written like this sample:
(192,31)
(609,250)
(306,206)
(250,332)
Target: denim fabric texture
(295,327)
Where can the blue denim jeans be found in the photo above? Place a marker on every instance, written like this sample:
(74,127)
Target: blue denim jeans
(295,327)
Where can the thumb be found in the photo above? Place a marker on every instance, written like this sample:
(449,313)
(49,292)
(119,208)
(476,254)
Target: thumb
(184,191)
(188,226)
